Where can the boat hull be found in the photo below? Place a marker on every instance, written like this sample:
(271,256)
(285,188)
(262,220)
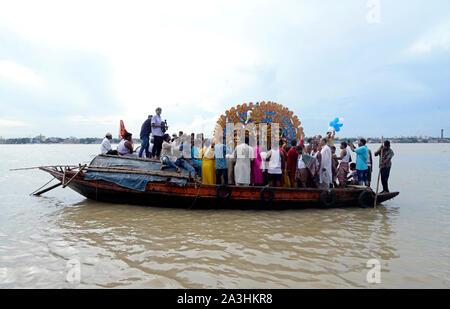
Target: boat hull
(160,194)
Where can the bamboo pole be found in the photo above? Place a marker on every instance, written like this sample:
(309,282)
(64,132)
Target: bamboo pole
(36,167)
(133,171)
(76,174)
(129,158)
(111,169)
(64,177)
(379,173)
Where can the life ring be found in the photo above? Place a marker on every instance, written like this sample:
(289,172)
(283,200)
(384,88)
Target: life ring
(328,198)
(365,199)
(219,192)
(263,193)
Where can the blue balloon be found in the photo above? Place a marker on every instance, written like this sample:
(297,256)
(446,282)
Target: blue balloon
(336,125)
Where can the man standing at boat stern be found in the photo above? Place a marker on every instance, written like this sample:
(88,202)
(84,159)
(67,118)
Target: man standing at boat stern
(146,130)
(157,133)
(362,152)
(385,165)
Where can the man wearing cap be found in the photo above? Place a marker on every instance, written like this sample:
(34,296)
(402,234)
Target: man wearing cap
(106,144)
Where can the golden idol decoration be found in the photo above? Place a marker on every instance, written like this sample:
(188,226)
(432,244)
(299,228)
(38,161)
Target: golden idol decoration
(253,114)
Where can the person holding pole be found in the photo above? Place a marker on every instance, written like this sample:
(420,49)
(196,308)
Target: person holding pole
(386,154)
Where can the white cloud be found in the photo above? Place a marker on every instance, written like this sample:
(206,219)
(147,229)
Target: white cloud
(198,58)
(13,123)
(161,53)
(17,73)
(438,39)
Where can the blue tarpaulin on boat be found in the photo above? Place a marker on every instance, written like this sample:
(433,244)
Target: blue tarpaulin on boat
(130,180)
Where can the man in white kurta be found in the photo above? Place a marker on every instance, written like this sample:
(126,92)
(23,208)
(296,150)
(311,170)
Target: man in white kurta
(106,144)
(242,170)
(325,167)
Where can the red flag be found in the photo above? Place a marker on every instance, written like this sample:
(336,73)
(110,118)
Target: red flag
(122,130)
(302,143)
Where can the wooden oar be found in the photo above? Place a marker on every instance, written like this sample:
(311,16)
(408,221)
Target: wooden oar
(379,174)
(48,189)
(42,186)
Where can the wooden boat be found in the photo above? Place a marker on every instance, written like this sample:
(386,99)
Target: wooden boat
(140,181)
(170,189)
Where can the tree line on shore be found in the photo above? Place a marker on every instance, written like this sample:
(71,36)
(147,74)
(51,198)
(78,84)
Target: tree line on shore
(56,140)
(98,140)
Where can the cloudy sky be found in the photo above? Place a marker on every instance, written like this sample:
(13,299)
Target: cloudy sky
(75,68)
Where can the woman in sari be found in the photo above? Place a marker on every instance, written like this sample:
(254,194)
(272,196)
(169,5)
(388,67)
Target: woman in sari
(343,168)
(208,163)
(257,177)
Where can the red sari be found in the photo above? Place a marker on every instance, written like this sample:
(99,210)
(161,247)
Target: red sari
(292,157)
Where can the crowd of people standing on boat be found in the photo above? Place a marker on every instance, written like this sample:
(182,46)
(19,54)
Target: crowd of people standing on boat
(307,164)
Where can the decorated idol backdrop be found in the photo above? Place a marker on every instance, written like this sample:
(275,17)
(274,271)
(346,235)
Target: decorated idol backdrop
(249,116)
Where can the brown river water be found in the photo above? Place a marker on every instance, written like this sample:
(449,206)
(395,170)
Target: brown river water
(127,246)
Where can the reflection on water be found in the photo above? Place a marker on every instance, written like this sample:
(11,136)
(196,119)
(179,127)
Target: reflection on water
(134,246)
(152,247)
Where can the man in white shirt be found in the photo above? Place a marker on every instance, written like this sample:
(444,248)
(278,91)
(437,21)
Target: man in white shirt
(264,167)
(157,134)
(106,144)
(325,174)
(275,156)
